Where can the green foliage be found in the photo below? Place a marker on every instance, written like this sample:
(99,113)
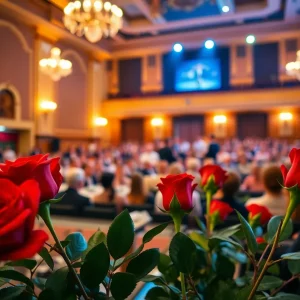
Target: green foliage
(200,239)
(11,293)
(148,237)
(219,289)
(249,234)
(273,226)
(269,283)
(76,246)
(45,255)
(144,263)
(26,263)
(95,266)
(157,293)
(97,238)
(284,296)
(120,235)
(183,253)
(14,275)
(294,266)
(224,267)
(291,256)
(122,285)
(57,283)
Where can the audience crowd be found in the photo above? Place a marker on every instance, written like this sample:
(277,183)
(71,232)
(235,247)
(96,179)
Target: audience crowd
(129,174)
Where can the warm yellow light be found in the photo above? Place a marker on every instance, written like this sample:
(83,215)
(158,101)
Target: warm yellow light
(99,121)
(157,122)
(285,116)
(47,105)
(220,119)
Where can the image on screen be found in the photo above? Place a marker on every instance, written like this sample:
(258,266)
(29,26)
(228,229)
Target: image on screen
(198,75)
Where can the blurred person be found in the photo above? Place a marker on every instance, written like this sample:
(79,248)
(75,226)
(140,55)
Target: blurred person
(136,195)
(165,151)
(243,166)
(75,162)
(149,155)
(147,168)
(9,154)
(253,182)
(192,168)
(263,154)
(208,161)
(108,195)
(273,198)
(228,194)
(89,170)
(151,181)
(75,179)
(228,164)
(213,148)
(200,147)
(129,167)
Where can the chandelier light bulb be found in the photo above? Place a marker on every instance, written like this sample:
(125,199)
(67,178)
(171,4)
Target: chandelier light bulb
(54,66)
(93,18)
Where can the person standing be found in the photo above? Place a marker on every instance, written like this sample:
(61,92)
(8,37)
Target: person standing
(213,148)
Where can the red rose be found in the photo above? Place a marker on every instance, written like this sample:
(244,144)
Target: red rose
(179,185)
(45,171)
(259,212)
(292,177)
(218,173)
(18,208)
(221,208)
(260,240)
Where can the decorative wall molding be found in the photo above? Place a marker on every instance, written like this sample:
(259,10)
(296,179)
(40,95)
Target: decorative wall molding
(77,56)
(16,31)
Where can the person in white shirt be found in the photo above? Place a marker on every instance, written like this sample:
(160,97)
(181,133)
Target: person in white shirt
(274,198)
(149,155)
(192,168)
(200,147)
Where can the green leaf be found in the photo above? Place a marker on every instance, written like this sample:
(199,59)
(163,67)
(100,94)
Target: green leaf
(144,263)
(47,257)
(11,293)
(152,278)
(64,243)
(132,255)
(249,234)
(219,289)
(157,293)
(47,294)
(274,270)
(183,253)
(14,275)
(224,267)
(200,239)
(26,263)
(120,235)
(122,285)
(57,282)
(291,256)
(95,266)
(294,266)
(244,293)
(228,232)
(97,238)
(39,282)
(76,246)
(215,241)
(269,283)
(154,232)
(284,296)
(273,226)
(56,200)
(164,262)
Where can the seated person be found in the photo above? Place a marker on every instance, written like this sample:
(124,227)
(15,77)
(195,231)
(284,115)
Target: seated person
(176,169)
(109,196)
(75,180)
(227,194)
(192,168)
(273,198)
(151,181)
(90,178)
(136,195)
(253,182)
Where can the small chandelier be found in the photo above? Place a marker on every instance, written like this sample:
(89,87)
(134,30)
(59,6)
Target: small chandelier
(293,68)
(55,67)
(93,18)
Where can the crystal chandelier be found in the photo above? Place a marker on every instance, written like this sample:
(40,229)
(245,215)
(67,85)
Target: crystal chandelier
(55,67)
(293,68)
(93,18)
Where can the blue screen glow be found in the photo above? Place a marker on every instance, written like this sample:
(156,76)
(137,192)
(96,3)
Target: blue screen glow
(198,75)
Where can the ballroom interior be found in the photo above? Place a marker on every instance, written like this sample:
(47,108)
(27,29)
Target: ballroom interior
(124,87)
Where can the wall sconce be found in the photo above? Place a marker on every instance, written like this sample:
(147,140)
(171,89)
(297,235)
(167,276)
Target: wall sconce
(220,126)
(100,122)
(286,125)
(220,119)
(47,106)
(285,116)
(157,122)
